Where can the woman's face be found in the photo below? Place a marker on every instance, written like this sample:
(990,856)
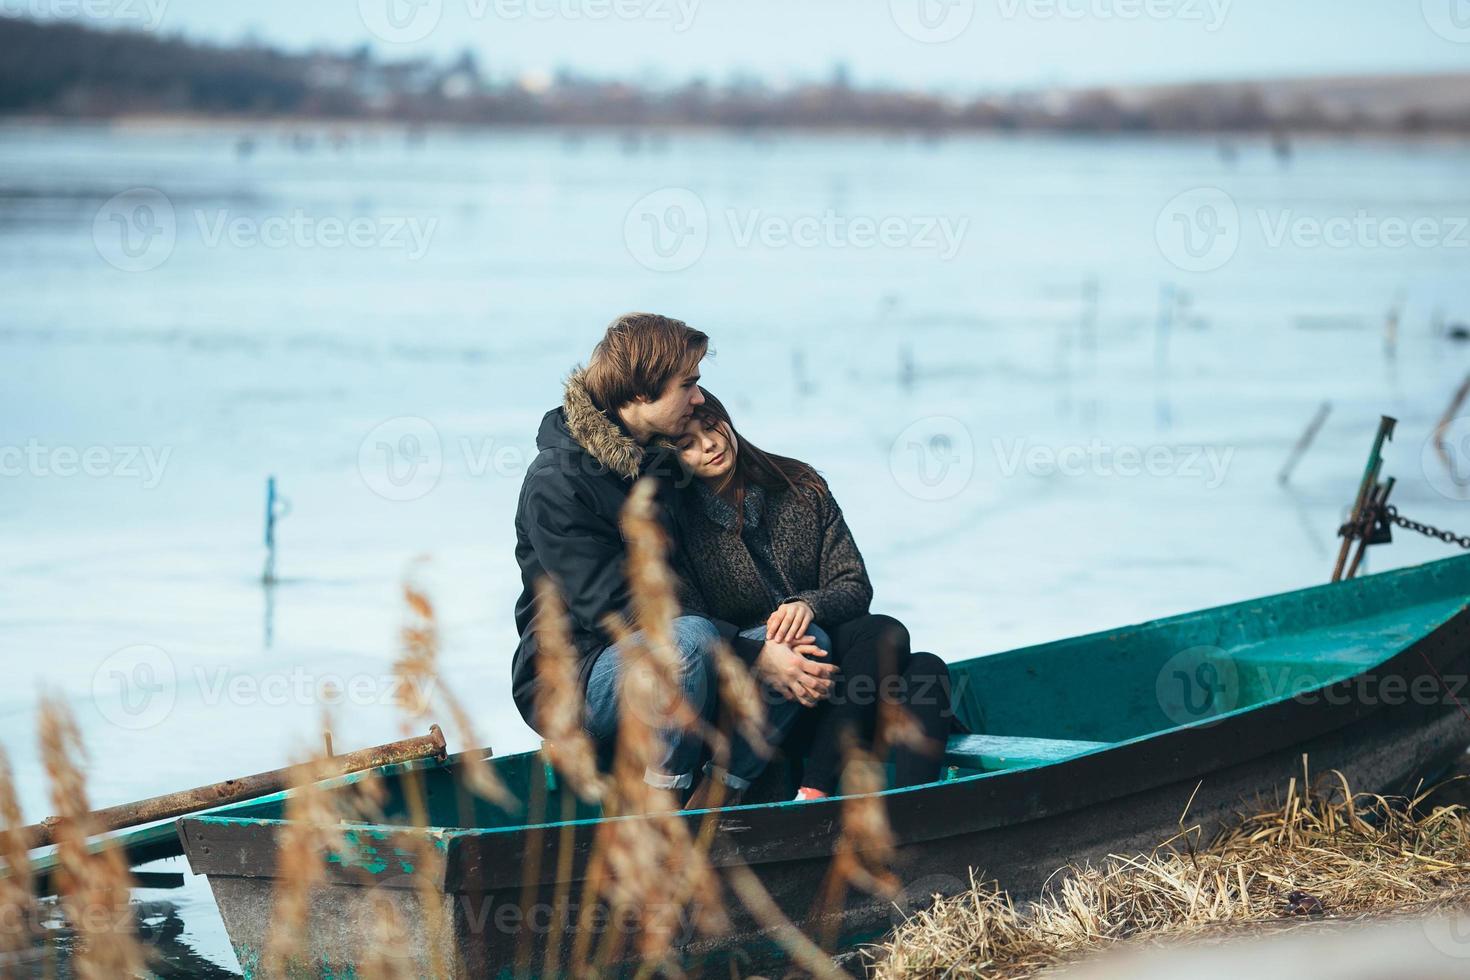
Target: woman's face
(707,448)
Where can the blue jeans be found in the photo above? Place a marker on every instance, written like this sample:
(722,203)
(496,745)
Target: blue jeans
(683,750)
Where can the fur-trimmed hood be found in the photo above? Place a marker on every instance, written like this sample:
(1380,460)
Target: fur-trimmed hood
(567,528)
(602,438)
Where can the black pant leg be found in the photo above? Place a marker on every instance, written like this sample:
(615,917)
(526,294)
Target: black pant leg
(926,695)
(871,653)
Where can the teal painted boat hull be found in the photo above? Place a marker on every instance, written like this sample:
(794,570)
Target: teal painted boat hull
(1085,747)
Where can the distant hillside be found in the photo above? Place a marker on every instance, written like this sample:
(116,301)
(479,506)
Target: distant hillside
(1439,101)
(64,70)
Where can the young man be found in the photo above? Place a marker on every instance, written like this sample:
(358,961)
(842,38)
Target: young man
(641,383)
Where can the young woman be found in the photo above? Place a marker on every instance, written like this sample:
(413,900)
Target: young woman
(764,544)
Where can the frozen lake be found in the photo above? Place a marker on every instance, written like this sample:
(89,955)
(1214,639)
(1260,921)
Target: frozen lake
(1050,380)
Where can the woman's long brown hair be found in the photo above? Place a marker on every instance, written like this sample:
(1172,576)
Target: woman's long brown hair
(756,467)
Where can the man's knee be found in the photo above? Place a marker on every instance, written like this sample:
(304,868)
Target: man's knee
(927,664)
(696,638)
(891,633)
(928,682)
(695,635)
(822,639)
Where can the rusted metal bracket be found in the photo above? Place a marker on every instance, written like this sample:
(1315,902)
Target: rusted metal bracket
(1372,497)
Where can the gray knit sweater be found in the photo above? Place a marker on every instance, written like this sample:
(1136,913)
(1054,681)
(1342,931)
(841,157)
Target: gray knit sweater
(794,545)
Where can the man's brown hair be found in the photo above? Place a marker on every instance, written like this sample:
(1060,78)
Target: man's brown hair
(638,355)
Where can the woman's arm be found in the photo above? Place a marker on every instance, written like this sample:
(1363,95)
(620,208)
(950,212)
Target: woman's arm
(843,589)
(693,603)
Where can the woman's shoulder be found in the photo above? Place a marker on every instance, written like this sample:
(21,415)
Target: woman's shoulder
(813,492)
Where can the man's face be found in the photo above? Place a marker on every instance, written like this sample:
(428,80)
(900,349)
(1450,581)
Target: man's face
(669,414)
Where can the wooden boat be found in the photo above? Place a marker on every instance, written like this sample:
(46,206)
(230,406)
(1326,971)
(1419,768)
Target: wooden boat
(1085,747)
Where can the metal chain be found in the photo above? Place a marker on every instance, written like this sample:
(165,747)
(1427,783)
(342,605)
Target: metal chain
(1448,537)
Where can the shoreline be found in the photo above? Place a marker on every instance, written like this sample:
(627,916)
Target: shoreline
(189,122)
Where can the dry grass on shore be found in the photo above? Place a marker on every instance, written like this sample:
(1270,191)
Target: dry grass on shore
(1325,853)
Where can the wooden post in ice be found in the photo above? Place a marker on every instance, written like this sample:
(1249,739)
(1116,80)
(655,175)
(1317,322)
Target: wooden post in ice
(1163,411)
(276,507)
(1090,292)
(1304,443)
(1163,325)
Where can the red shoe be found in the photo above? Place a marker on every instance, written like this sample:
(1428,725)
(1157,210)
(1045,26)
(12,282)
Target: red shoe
(807,793)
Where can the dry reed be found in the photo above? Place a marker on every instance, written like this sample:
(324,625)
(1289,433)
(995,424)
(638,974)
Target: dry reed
(568,747)
(312,830)
(649,869)
(94,882)
(654,871)
(865,849)
(1319,853)
(418,667)
(18,926)
(389,939)
(740,699)
(898,728)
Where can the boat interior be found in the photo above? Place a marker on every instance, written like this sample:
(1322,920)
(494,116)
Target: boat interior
(1054,701)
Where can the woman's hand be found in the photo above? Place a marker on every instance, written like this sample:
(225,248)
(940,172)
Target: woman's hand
(793,671)
(789,622)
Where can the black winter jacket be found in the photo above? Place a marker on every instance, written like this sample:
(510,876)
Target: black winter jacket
(567,528)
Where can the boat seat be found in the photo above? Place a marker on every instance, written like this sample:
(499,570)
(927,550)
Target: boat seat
(1010,751)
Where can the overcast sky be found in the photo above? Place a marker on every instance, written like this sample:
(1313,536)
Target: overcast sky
(962,45)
